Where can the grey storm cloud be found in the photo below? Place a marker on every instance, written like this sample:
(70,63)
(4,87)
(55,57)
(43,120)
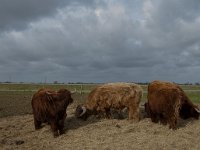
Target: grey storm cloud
(17,14)
(100,40)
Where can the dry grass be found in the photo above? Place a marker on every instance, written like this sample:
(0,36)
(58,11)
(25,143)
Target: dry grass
(18,132)
(17,129)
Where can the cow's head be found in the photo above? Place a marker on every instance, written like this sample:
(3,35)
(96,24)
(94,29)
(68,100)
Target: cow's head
(81,112)
(195,112)
(65,94)
(62,94)
(188,111)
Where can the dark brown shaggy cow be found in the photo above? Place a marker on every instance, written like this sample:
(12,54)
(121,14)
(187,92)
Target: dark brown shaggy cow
(50,106)
(112,96)
(167,101)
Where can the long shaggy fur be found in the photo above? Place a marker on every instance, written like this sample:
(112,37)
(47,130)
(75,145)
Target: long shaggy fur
(166,102)
(117,96)
(50,106)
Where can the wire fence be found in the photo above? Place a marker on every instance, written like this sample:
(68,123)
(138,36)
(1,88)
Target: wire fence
(75,90)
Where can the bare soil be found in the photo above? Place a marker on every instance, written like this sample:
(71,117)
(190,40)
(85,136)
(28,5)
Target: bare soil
(17,132)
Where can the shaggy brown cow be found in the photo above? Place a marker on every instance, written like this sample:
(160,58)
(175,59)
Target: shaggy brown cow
(167,101)
(112,95)
(50,106)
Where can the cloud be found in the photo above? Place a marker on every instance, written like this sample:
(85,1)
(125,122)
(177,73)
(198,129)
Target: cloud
(18,14)
(100,41)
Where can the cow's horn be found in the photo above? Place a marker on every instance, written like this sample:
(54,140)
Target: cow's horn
(197,109)
(84,110)
(73,92)
(49,93)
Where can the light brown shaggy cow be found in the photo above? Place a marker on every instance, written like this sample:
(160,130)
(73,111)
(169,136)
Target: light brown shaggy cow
(167,101)
(50,106)
(112,95)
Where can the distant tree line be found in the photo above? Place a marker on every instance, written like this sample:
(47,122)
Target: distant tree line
(56,82)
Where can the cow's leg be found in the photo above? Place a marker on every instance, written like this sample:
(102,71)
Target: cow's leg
(61,127)
(174,115)
(130,113)
(172,119)
(108,114)
(37,124)
(163,119)
(134,113)
(173,123)
(61,124)
(54,127)
(154,117)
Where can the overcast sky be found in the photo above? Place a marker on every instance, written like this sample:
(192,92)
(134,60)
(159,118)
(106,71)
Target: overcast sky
(99,40)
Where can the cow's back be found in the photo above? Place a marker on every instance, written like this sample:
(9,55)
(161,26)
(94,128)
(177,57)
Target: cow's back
(41,105)
(114,95)
(162,97)
(38,105)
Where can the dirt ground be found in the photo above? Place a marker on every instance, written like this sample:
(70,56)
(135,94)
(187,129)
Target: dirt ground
(17,132)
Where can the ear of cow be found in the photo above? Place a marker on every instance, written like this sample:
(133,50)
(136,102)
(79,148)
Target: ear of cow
(84,111)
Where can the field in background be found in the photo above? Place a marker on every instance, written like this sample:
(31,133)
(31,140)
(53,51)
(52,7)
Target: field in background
(17,131)
(15,99)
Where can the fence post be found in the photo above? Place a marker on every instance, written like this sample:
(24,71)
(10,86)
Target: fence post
(81,89)
(81,92)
